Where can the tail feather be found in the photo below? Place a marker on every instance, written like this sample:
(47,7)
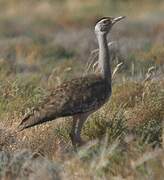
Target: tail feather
(36,117)
(25,123)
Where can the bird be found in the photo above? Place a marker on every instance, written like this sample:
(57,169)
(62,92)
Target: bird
(81,96)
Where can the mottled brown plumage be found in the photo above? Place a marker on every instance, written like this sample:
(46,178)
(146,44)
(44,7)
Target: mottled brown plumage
(80,95)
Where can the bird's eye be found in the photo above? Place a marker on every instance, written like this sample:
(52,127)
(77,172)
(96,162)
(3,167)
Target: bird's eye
(105,22)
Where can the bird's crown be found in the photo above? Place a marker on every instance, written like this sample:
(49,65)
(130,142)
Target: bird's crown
(104,24)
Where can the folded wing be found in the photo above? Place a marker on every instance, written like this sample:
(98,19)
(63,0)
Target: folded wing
(79,95)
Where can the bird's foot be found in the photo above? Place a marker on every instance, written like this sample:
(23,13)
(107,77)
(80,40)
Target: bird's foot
(80,142)
(76,141)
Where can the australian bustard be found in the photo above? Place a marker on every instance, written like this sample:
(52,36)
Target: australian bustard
(81,96)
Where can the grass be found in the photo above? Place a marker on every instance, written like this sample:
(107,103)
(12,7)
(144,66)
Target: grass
(38,52)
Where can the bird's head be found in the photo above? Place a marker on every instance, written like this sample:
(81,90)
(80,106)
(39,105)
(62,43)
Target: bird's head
(104,24)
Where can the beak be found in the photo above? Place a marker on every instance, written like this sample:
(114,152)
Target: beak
(114,20)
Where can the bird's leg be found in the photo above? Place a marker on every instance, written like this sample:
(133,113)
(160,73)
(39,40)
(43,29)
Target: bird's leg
(72,134)
(78,121)
(81,119)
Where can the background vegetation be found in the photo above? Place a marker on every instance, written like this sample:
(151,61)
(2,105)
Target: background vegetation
(43,43)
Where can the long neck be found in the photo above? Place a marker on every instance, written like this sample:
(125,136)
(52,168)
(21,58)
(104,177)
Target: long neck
(104,58)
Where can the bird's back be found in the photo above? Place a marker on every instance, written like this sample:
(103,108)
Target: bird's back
(80,95)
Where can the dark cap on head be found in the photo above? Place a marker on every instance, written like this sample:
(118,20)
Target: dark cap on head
(112,19)
(99,19)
